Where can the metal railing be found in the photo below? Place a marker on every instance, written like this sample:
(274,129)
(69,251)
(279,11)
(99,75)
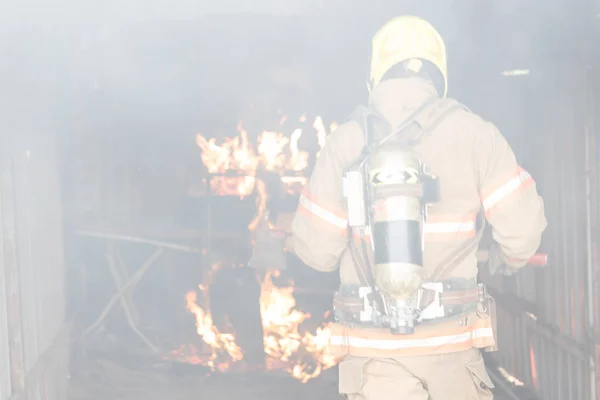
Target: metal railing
(547,320)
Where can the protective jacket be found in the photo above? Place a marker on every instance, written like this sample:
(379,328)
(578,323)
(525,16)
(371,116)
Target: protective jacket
(478,176)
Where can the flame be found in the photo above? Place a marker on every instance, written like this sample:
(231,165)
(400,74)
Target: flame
(210,335)
(282,338)
(303,356)
(236,159)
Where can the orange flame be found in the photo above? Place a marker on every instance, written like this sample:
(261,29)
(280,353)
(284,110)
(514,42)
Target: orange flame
(209,333)
(238,157)
(303,356)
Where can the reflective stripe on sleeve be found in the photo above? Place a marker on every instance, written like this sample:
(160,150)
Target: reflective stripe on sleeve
(315,209)
(516,182)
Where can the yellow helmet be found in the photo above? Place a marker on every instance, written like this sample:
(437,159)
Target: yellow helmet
(405,38)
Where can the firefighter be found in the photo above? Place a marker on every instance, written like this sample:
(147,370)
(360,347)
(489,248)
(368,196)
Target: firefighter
(411,318)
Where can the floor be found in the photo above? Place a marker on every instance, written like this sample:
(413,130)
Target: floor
(137,377)
(181,382)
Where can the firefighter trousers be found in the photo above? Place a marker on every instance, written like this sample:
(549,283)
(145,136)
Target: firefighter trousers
(452,376)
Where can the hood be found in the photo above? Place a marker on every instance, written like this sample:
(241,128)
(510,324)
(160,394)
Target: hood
(396,99)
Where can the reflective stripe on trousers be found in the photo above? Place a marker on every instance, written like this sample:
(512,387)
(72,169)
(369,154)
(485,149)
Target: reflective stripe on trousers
(473,331)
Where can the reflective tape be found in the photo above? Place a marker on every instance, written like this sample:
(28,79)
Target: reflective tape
(445,227)
(512,185)
(402,344)
(369,342)
(324,214)
(449,227)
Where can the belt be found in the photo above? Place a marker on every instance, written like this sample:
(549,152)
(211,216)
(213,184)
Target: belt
(451,299)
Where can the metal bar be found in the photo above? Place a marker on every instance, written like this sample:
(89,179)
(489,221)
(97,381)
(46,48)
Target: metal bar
(564,237)
(551,368)
(533,364)
(589,167)
(553,286)
(574,271)
(541,370)
(574,209)
(516,305)
(11,269)
(121,275)
(551,357)
(128,306)
(556,370)
(558,245)
(556,345)
(559,381)
(580,380)
(133,281)
(547,380)
(558,339)
(501,383)
(239,174)
(570,377)
(524,354)
(518,349)
(141,240)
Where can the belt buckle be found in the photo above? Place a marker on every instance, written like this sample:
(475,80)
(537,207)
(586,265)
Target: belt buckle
(435,309)
(483,293)
(483,308)
(367,312)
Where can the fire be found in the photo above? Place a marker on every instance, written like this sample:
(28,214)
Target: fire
(236,159)
(218,342)
(282,338)
(303,355)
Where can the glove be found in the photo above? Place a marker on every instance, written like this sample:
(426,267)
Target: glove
(496,263)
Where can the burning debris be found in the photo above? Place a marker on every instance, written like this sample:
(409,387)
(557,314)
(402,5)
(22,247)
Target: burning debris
(303,355)
(237,158)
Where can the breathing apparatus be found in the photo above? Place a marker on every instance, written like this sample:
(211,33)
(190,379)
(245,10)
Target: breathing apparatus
(388,190)
(387,195)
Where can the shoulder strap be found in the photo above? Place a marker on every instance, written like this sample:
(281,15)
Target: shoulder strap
(371,123)
(425,118)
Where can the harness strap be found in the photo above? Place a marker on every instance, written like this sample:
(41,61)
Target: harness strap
(349,303)
(447,298)
(460,297)
(447,266)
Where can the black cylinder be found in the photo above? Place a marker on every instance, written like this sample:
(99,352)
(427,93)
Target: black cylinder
(398,242)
